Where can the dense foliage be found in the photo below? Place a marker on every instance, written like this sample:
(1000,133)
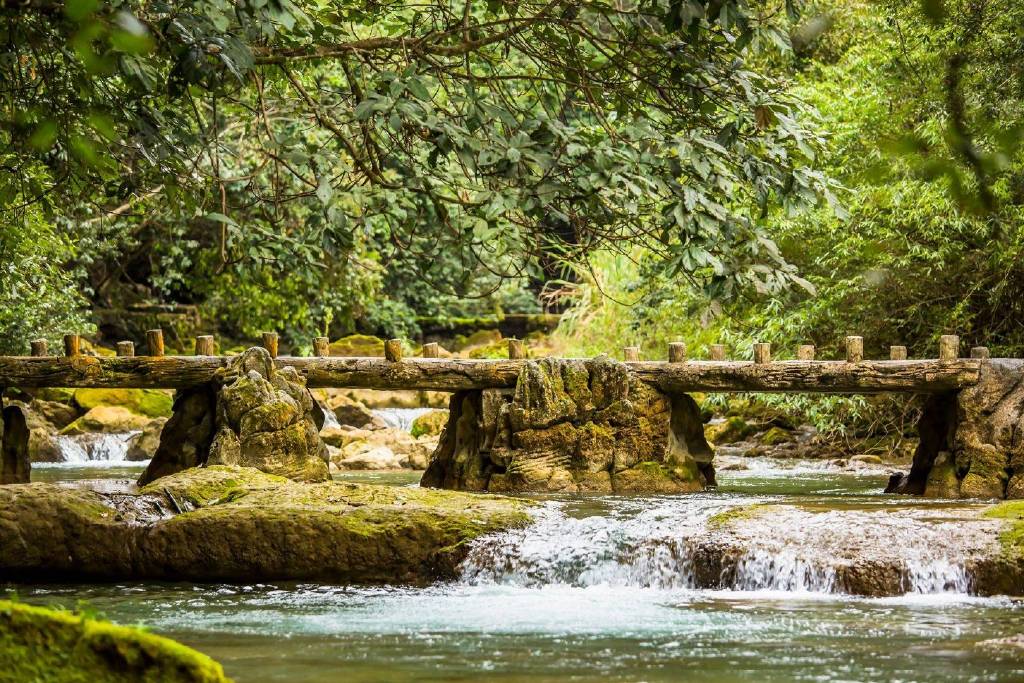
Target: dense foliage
(924,111)
(306,156)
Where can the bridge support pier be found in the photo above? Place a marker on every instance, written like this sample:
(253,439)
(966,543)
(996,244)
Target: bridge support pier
(972,441)
(254,415)
(15,466)
(572,425)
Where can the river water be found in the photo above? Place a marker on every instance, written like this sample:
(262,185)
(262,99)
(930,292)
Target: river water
(601,588)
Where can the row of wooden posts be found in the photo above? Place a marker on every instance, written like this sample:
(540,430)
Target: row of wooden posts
(949,349)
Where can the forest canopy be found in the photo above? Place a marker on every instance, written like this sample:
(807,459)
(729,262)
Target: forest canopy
(355,165)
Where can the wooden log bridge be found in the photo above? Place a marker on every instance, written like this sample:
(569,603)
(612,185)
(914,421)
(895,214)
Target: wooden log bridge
(450,374)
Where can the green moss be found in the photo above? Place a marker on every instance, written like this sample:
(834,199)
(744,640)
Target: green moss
(721,519)
(480,338)
(358,345)
(1012,536)
(148,402)
(775,436)
(45,645)
(731,430)
(429,424)
(204,486)
(494,349)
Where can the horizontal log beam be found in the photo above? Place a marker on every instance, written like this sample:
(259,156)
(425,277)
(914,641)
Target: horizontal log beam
(454,374)
(808,376)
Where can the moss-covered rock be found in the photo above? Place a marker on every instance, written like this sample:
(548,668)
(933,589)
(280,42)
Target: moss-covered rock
(148,402)
(429,424)
(572,425)
(107,420)
(358,345)
(776,436)
(52,646)
(729,430)
(479,339)
(240,524)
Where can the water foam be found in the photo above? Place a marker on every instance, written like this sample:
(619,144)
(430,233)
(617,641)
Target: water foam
(673,543)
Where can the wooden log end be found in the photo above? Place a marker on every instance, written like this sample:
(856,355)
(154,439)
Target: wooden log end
(270,341)
(854,349)
(72,345)
(631,354)
(321,347)
(980,352)
(716,352)
(204,345)
(805,352)
(949,347)
(762,353)
(677,352)
(39,347)
(897,353)
(125,348)
(516,349)
(155,342)
(393,350)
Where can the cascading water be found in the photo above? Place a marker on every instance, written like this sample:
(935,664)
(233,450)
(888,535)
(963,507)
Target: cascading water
(400,418)
(696,542)
(94,448)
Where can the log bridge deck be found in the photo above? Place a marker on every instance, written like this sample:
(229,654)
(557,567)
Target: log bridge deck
(854,375)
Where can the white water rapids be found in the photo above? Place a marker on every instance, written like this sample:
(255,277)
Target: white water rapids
(670,543)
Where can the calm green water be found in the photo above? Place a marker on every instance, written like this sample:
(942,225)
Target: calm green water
(597,591)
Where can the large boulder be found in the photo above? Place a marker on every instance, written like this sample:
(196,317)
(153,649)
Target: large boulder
(144,445)
(352,413)
(146,402)
(430,424)
(107,420)
(40,644)
(381,449)
(265,419)
(572,425)
(239,524)
(56,413)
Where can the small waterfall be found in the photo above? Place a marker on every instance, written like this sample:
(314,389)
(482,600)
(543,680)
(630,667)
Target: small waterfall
(673,543)
(400,418)
(94,448)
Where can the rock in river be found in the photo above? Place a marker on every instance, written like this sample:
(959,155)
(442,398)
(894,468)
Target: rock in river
(39,644)
(238,524)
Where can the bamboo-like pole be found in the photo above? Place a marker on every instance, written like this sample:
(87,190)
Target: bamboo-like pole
(155,342)
(854,349)
(204,345)
(321,347)
(762,353)
(72,345)
(270,340)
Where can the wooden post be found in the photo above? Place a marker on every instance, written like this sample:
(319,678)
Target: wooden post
(516,349)
(39,347)
(677,352)
(204,345)
(631,354)
(431,350)
(126,348)
(717,351)
(270,343)
(321,346)
(897,353)
(949,347)
(72,345)
(980,352)
(393,350)
(805,352)
(762,353)
(155,342)
(854,349)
